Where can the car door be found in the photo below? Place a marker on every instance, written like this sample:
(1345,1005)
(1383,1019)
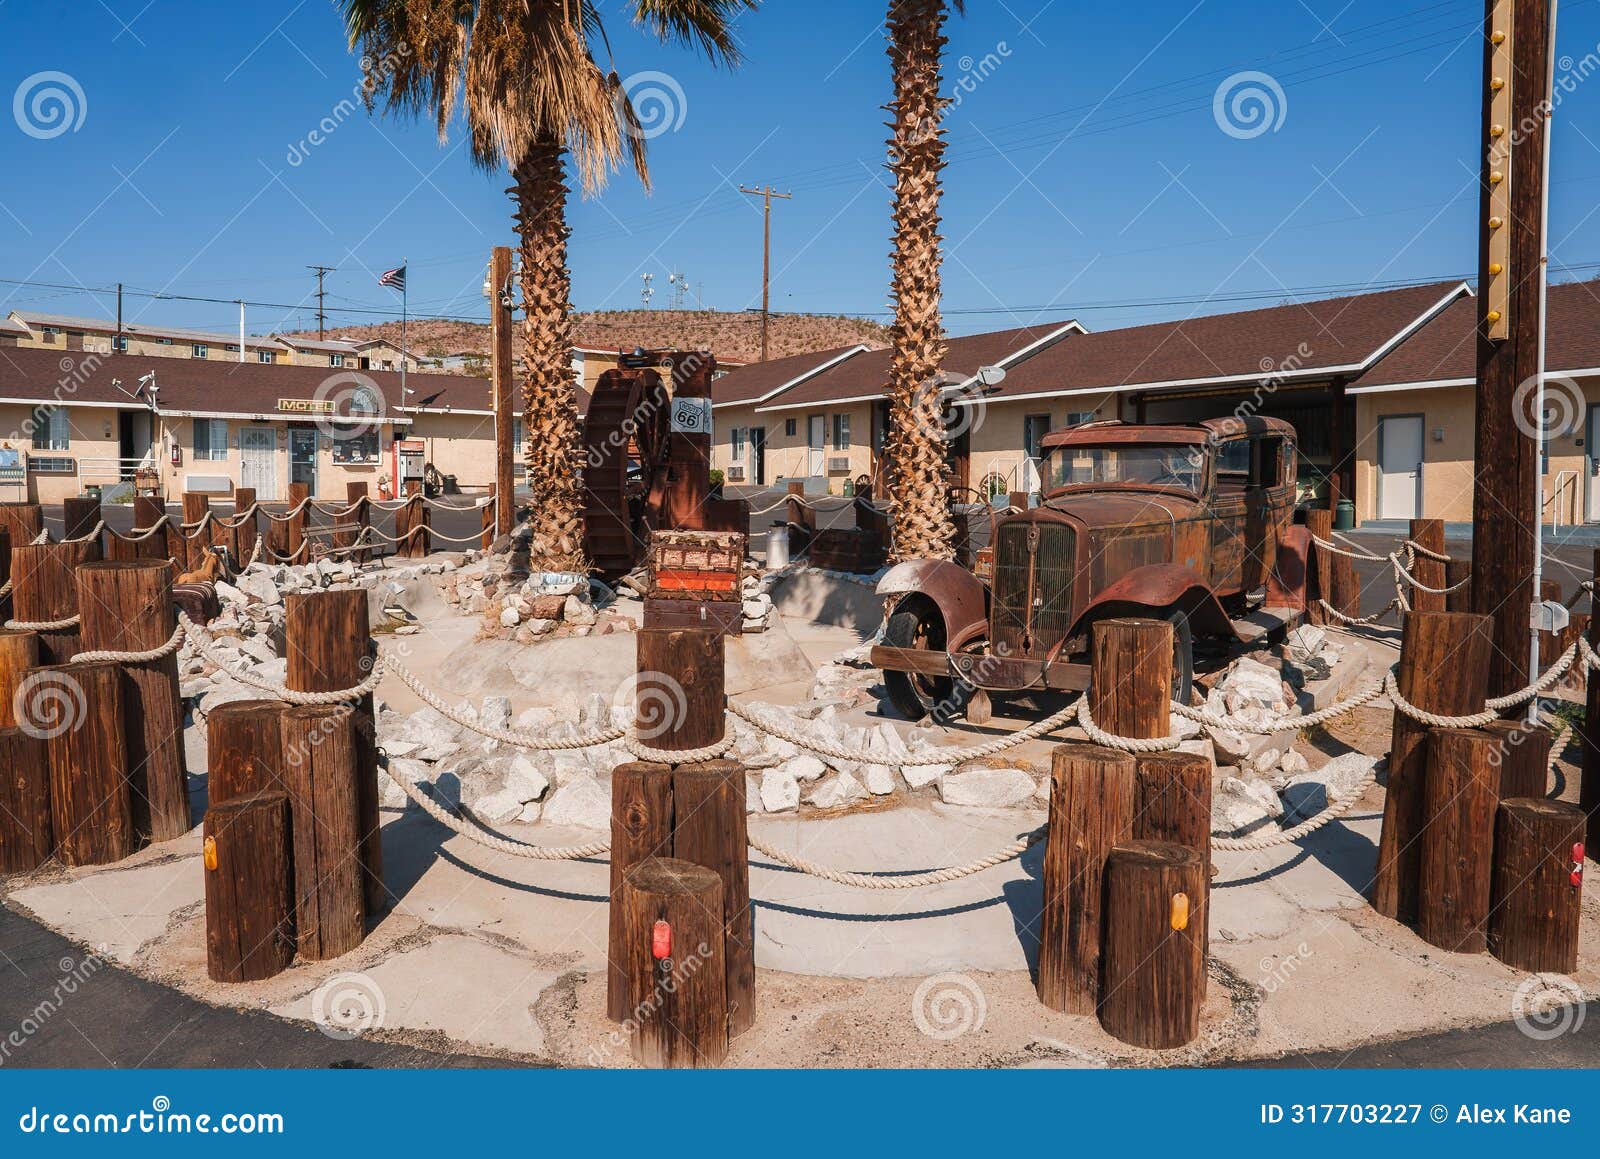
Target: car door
(1230,485)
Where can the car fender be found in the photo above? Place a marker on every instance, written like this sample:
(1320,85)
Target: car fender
(960,596)
(1162,585)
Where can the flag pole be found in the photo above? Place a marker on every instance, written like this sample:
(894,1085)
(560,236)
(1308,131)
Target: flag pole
(405,284)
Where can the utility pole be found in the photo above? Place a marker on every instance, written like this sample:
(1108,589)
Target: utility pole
(322,294)
(766,193)
(500,304)
(116,347)
(1507,501)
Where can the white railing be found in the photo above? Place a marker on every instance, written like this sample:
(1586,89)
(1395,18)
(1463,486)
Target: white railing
(107,469)
(1554,502)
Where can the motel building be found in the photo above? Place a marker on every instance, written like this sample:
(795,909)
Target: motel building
(80,419)
(1379,387)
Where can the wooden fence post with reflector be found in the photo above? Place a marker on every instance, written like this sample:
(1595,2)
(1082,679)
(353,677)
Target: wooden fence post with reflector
(249,907)
(1154,955)
(1535,906)
(673,947)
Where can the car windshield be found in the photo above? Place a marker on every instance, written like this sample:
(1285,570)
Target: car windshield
(1124,464)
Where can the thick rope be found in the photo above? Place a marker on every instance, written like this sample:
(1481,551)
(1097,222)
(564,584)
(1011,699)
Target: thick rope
(42,625)
(1422,587)
(643,752)
(1427,553)
(207,647)
(159,652)
(1433,719)
(1285,724)
(492,840)
(94,533)
(516,738)
(1129,744)
(1333,812)
(900,881)
(289,514)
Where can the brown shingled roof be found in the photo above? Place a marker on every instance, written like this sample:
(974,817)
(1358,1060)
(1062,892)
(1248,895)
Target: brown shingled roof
(1446,349)
(867,375)
(1299,340)
(223,388)
(759,379)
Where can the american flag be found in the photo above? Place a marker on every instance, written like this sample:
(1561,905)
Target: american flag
(395,277)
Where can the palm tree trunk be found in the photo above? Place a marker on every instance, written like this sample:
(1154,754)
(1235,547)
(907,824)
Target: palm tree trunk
(915,442)
(550,401)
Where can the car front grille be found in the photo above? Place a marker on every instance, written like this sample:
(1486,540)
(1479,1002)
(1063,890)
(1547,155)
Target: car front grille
(1028,619)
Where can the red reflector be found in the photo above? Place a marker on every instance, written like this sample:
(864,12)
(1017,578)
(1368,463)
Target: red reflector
(1577,853)
(661,941)
(1577,878)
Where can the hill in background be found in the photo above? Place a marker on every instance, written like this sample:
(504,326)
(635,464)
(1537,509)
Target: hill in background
(733,336)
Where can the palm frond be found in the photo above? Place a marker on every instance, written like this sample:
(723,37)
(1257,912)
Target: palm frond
(706,24)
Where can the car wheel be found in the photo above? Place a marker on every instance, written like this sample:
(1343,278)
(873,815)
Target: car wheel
(1182,656)
(914,696)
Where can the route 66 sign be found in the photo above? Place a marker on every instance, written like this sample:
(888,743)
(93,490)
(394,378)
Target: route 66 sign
(691,416)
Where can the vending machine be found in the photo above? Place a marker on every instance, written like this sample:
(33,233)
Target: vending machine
(409,455)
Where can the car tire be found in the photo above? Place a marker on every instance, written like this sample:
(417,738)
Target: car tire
(1182,656)
(914,697)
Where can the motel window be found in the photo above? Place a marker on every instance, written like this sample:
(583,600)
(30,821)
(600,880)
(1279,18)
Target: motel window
(264,356)
(211,440)
(163,342)
(736,440)
(119,343)
(51,332)
(1034,429)
(336,360)
(200,350)
(358,444)
(841,432)
(1076,418)
(233,348)
(51,431)
(789,428)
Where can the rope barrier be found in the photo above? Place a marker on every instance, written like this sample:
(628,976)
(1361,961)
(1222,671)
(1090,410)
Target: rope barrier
(1129,744)
(516,738)
(206,645)
(159,652)
(1333,812)
(899,881)
(42,625)
(491,840)
(1427,553)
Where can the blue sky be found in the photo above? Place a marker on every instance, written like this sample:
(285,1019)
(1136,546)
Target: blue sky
(1089,168)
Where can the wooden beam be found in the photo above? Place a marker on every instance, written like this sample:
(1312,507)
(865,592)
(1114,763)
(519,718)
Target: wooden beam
(505,409)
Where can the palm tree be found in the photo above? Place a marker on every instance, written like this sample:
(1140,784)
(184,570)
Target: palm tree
(915,447)
(523,75)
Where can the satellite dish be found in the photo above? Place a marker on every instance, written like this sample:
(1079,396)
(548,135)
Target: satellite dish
(991,375)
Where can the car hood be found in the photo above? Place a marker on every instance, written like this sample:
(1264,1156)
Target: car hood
(1122,508)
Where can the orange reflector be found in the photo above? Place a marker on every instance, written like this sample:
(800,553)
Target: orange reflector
(1180,911)
(661,941)
(211,852)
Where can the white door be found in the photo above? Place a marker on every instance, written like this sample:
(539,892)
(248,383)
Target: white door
(816,444)
(1591,451)
(257,452)
(1400,467)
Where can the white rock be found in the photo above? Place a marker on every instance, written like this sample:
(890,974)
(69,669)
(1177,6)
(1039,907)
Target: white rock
(576,612)
(838,790)
(1250,680)
(226,591)
(1291,764)
(509,617)
(531,812)
(498,808)
(805,767)
(525,781)
(779,790)
(991,787)
(755,610)
(496,712)
(752,795)
(1310,793)
(879,779)
(919,775)
(1235,808)
(583,802)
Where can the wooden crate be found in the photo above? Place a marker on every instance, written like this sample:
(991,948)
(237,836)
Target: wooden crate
(852,550)
(696,565)
(725,618)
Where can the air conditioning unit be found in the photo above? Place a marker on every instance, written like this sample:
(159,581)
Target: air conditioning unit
(735,474)
(838,465)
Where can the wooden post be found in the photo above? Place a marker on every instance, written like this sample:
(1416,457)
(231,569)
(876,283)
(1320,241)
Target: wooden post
(679,695)
(411,523)
(19,651)
(1460,791)
(1319,521)
(127,607)
(45,591)
(1535,904)
(641,828)
(79,514)
(319,767)
(1589,785)
(1444,658)
(488,513)
(147,513)
(1510,331)
(1091,811)
(195,508)
(356,493)
(1154,952)
(298,549)
(26,839)
(1346,585)
(673,957)
(500,372)
(1130,692)
(1428,533)
(77,709)
(277,549)
(249,899)
(244,749)
(22,521)
(709,829)
(330,649)
(5,575)
(242,537)
(1458,572)
(1172,800)
(1521,755)
(801,519)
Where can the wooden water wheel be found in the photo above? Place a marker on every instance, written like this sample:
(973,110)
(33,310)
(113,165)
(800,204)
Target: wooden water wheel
(625,468)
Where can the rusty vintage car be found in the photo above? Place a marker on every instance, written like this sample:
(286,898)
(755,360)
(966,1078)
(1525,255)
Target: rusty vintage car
(1193,523)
